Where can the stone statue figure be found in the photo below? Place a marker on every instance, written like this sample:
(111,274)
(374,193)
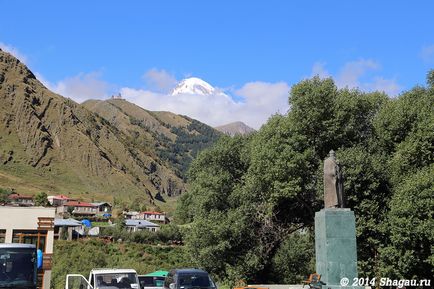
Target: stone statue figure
(334,196)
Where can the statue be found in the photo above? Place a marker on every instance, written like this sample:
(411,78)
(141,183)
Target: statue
(334,196)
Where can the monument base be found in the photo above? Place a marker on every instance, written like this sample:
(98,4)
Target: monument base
(335,247)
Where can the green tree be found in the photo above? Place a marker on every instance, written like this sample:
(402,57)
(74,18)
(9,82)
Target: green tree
(294,258)
(249,197)
(4,193)
(40,199)
(410,254)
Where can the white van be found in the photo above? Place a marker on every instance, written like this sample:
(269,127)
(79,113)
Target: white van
(104,279)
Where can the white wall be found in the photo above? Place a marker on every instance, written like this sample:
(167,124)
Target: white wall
(25,218)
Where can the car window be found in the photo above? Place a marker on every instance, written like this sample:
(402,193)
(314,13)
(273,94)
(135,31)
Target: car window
(194,280)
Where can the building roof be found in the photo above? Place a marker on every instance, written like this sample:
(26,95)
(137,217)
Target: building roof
(132,213)
(78,204)
(101,203)
(61,197)
(140,223)
(18,196)
(66,223)
(152,213)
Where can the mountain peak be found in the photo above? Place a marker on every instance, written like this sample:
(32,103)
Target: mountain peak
(235,128)
(193,85)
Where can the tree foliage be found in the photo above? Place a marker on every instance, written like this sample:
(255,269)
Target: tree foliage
(41,199)
(251,198)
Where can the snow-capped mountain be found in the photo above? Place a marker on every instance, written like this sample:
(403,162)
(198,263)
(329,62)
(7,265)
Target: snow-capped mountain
(193,85)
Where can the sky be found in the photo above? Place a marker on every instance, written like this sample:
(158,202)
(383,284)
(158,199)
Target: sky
(253,51)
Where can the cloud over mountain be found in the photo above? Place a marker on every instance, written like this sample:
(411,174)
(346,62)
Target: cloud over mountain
(198,99)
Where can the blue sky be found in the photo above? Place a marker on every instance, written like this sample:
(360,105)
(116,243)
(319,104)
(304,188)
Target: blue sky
(92,49)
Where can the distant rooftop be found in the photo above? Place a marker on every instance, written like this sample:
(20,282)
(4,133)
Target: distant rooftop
(118,96)
(140,223)
(78,204)
(152,213)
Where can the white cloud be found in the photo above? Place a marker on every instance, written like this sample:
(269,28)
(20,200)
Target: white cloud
(427,53)
(81,87)
(351,72)
(259,101)
(359,74)
(14,51)
(319,69)
(389,86)
(159,80)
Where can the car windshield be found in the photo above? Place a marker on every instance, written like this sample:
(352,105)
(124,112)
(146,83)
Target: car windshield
(17,267)
(150,281)
(116,280)
(194,280)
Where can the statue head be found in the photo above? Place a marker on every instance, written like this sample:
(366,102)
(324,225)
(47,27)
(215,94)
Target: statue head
(332,154)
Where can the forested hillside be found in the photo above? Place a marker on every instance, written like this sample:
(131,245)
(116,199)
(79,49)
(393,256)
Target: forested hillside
(252,200)
(102,150)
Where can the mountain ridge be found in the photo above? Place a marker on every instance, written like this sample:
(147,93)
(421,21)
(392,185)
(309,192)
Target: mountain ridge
(50,143)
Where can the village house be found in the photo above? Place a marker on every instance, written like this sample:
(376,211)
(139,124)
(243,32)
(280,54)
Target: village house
(150,216)
(64,228)
(139,225)
(21,200)
(103,209)
(59,200)
(130,215)
(77,208)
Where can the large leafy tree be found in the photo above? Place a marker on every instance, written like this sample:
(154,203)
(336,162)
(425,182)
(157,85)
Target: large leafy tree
(251,199)
(410,253)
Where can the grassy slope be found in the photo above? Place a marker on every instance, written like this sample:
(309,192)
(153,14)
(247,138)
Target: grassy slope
(52,144)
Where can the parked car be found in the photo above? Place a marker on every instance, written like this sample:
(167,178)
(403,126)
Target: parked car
(154,280)
(104,279)
(188,278)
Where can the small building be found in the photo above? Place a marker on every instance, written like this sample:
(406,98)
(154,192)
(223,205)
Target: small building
(139,225)
(103,208)
(30,225)
(78,208)
(150,216)
(64,228)
(118,96)
(130,215)
(21,200)
(59,200)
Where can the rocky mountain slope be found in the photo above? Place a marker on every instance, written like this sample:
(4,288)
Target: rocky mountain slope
(52,144)
(175,139)
(235,128)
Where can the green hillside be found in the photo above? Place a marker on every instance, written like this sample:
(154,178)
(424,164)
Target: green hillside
(50,143)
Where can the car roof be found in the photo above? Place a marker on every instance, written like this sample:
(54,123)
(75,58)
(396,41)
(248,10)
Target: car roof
(112,270)
(189,271)
(17,246)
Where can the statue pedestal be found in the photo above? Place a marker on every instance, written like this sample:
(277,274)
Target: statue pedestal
(335,246)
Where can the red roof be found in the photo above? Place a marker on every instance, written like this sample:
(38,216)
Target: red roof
(78,204)
(18,196)
(152,213)
(62,197)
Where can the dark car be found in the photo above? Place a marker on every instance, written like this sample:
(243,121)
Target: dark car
(188,279)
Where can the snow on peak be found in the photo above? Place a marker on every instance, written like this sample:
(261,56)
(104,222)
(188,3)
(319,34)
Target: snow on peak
(193,85)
